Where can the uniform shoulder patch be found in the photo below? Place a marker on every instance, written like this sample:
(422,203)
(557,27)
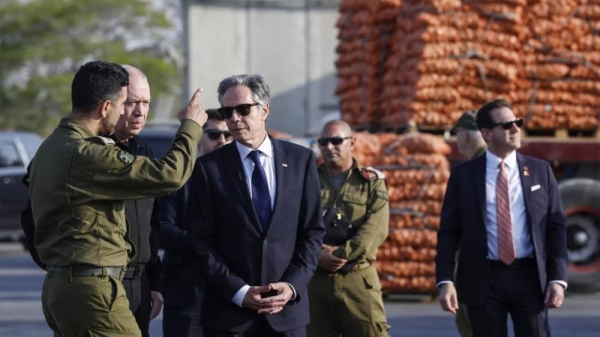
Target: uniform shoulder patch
(101,140)
(370,173)
(125,157)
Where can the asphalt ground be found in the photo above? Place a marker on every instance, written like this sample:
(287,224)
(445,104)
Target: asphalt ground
(412,316)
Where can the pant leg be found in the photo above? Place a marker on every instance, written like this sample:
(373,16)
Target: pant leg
(526,303)
(323,318)
(182,321)
(142,315)
(88,306)
(463,324)
(361,311)
(490,319)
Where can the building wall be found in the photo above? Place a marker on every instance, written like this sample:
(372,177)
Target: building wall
(290,42)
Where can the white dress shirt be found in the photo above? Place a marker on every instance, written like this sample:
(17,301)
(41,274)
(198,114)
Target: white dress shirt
(267,160)
(518,213)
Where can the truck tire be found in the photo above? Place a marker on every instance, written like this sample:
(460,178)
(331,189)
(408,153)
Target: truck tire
(581,203)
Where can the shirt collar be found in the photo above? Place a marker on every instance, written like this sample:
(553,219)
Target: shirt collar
(265,148)
(493,161)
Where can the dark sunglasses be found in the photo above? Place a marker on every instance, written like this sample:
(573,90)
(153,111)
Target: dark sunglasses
(242,109)
(216,134)
(508,124)
(333,140)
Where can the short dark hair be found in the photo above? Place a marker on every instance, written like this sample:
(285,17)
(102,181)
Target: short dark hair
(484,114)
(213,115)
(96,82)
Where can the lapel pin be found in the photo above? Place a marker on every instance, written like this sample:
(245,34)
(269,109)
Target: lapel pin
(525,171)
(284,165)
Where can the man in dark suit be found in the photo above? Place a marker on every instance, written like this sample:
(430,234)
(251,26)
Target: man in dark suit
(256,225)
(504,210)
(181,291)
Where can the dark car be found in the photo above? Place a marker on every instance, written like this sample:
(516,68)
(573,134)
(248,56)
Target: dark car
(159,138)
(16,150)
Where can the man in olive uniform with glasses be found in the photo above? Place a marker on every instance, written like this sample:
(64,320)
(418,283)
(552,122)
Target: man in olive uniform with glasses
(345,292)
(78,181)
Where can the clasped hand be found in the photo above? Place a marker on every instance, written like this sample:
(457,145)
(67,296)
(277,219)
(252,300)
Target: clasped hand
(268,305)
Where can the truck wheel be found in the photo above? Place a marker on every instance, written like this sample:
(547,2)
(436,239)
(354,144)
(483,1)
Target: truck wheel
(581,203)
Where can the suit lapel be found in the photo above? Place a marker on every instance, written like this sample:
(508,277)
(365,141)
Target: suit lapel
(480,171)
(281,175)
(526,184)
(237,180)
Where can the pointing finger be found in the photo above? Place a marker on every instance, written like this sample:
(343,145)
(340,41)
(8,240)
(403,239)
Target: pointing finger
(196,96)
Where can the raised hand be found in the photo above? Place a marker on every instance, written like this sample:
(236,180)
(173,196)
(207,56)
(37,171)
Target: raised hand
(193,110)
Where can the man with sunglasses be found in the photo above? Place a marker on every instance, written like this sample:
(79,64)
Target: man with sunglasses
(505,212)
(181,290)
(255,222)
(345,293)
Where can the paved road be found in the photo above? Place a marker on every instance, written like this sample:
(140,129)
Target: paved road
(21,313)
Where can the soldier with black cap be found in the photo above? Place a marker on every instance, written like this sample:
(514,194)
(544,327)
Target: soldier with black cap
(470,144)
(469,141)
(345,293)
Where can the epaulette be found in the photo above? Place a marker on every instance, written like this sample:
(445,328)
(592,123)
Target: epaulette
(371,174)
(101,140)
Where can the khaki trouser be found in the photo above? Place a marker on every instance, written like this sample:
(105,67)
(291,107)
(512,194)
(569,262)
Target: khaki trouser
(350,305)
(94,306)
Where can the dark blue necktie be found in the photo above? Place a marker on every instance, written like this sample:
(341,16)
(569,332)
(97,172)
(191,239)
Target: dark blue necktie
(261,198)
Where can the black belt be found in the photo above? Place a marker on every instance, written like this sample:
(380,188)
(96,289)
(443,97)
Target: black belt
(134,271)
(517,263)
(86,270)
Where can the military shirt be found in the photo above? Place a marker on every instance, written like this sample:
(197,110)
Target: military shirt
(363,200)
(78,182)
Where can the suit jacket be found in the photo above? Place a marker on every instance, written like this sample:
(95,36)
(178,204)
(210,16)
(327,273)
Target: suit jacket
(231,247)
(463,222)
(180,275)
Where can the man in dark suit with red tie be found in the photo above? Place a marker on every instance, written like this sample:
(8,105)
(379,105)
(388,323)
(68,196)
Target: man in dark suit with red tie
(256,225)
(504,210)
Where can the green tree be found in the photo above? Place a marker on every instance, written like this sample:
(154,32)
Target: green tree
(44,42)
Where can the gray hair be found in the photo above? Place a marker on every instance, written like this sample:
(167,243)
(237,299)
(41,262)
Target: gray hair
(257,84)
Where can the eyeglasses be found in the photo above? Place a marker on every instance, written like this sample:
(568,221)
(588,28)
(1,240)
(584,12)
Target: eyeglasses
(333,140)
(242,109)
(216,134)
(507,125)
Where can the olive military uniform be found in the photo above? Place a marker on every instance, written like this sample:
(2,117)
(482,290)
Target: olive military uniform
(351,304)
(463,324)
(77,184)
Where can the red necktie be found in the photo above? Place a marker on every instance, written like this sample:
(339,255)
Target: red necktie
(506,248)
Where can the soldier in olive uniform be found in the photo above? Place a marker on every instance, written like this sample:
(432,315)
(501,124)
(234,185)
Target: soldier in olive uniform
(345,293)
(78,181)
(470,144)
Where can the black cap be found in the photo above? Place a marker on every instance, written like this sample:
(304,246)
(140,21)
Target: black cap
(466,121)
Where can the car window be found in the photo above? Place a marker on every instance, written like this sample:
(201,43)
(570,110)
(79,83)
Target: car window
(31,144)
(9,156)
(159,145)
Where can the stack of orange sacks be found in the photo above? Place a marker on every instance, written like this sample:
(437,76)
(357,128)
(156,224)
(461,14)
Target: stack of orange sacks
(560,62)
(417,172)
(448,56)
(364,31)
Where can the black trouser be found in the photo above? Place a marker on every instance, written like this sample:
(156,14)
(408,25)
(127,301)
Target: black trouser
(138,293)
(183,321)
(260,328)
(515,291)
